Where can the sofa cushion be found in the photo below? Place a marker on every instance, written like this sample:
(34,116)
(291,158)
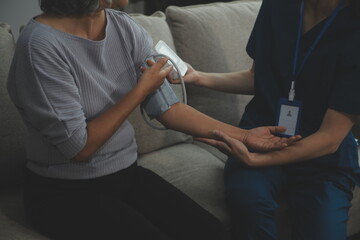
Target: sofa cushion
(149,139)
(12,153)
(194,171)
(213,38)
(156,26)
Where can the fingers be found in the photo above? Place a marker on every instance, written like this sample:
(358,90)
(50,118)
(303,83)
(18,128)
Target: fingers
(173,81)
(167,70)
(280,129)
(159,63)
(294,139)
(174,77)
(276,129)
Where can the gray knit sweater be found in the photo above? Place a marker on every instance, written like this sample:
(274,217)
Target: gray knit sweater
(59,81)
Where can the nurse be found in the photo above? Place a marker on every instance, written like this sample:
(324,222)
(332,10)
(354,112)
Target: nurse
(307,62)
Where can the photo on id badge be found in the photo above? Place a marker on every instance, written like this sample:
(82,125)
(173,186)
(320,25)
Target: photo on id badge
(289,116)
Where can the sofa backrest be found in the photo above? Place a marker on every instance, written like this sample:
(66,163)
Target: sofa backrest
(213,38)
(149,139)
(12,131)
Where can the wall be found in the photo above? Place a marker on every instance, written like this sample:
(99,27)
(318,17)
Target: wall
(18,12)
(135,7)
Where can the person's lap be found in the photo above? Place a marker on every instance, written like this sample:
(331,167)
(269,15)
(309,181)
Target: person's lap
(318,205)
(136,205)
(172,210)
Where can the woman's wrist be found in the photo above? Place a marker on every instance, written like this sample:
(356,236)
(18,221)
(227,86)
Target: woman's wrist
(245,135)
(140,92)
(239,134)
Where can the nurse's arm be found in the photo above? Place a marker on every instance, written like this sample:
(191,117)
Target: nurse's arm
(335,126)
(241,82)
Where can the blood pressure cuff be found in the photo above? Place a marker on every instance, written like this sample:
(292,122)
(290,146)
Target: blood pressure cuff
(160,100)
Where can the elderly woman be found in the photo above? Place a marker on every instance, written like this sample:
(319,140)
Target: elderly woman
(306,73)
(75,78)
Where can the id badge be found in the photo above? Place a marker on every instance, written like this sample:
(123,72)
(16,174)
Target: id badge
(289,116)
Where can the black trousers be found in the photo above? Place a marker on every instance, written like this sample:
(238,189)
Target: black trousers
(134,203)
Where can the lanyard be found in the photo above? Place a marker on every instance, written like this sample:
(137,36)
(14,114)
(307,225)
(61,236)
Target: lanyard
(297,69)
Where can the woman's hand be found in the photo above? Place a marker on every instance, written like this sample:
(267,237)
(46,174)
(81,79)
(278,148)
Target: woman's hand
(264,139)
(259,139)
(153,77)
(231,147)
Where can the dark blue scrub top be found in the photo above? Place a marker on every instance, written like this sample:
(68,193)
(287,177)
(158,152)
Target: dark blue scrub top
(330,78)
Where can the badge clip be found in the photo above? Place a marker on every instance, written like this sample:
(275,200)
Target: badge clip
(292,92)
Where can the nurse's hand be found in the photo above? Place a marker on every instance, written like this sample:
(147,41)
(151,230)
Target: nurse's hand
(260,139)
(191,76)
(231,147)
(264,139)
(235,148)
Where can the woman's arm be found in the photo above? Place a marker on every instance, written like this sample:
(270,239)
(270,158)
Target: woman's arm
(100,129)
(186,119)
(335,126)
(236,82)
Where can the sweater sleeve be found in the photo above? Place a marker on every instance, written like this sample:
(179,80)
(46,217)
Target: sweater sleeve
(49,97)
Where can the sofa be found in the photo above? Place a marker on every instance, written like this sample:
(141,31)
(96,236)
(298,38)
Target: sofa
(210,37)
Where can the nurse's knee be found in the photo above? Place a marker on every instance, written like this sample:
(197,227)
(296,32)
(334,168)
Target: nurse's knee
(251,204)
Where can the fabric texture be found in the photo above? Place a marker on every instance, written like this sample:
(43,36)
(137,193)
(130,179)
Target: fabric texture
(12,130)
(318,204)
(132,204)
(212,38)
(158,28)
(203,171)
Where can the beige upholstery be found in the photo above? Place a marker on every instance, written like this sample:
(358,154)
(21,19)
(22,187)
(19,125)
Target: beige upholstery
(214,41)
(12,131)
(159,30)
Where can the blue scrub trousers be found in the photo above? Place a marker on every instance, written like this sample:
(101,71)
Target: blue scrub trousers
(318,201)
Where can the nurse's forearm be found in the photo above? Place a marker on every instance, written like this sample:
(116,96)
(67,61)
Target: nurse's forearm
(236,82)
(314,146)
(186,119)
(335,126)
